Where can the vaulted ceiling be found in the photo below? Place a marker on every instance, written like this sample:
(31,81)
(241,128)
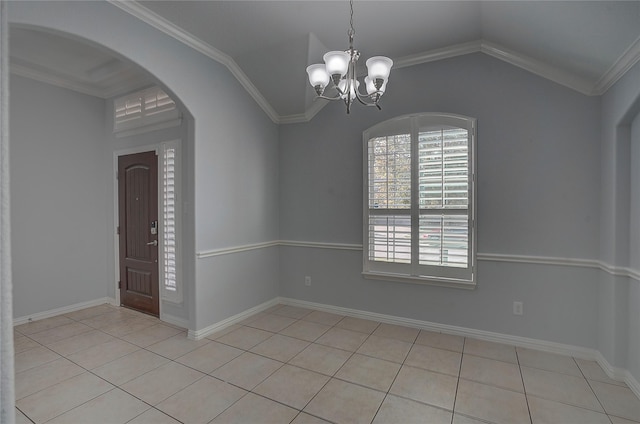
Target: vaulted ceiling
(585,45)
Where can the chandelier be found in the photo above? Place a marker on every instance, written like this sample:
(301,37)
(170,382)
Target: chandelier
(339,68)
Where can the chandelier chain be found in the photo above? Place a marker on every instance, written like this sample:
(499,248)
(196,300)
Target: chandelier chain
(351,31)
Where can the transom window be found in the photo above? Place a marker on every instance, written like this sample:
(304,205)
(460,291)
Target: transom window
(146,110)
(419,214)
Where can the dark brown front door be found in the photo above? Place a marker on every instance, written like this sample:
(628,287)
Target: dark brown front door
(138,222)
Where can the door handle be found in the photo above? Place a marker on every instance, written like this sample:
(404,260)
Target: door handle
(153,243)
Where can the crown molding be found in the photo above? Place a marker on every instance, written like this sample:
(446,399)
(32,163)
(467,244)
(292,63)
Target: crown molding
(62,81)
(438,54)
(630,57)
(499,52)
(539,68)
(49,78)
(158,22)
(316,106)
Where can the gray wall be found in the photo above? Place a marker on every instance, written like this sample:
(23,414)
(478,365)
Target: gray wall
(237,196)
(538,195)
(59,204)
(619,288)
(234,172)
(633,356)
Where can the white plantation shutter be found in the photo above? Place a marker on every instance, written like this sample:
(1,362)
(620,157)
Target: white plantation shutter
(127,109)
(419,207)
(157,101)
(150,109)
(444,196)
(171,213)
(390,190)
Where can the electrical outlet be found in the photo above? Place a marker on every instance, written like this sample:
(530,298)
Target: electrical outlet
(518,308)
(307,281)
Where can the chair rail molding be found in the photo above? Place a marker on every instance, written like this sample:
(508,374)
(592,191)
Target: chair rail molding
(617,271)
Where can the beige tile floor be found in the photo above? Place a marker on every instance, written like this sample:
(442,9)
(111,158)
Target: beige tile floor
(292,365)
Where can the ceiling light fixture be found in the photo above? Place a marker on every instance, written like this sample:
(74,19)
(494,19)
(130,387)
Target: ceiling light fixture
(340,68)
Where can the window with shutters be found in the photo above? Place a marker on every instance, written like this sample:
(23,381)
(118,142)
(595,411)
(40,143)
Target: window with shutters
(171,216)
(419,205)
(145,110)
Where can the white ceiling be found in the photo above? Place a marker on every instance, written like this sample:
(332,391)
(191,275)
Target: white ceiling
(585,45)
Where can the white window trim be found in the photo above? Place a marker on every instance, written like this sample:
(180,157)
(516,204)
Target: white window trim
(407,273)
(148,128)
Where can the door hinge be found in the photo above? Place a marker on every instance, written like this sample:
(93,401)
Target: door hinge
(118,230)
(119,284)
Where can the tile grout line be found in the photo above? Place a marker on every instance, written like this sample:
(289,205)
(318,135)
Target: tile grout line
(573,405)
(63,357)
(22,412)
(592,390)
(455,396)
(396,377)
(332,376)
(524,388)
(115,386)
(300,411)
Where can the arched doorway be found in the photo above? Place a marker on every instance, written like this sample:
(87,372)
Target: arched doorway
(64,90)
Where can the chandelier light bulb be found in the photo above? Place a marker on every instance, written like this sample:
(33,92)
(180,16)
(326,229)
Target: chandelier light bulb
(337,62)
(371,86)
(318,77)
(352,90)
(379,67)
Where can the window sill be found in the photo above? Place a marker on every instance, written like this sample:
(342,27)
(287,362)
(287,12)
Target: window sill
(414,279)
(128,132)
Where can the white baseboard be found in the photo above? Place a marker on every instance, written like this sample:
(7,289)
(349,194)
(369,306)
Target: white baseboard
(551,347)
(615,373)
(199,334)
(180,322)
(173,320)
(618,374)
(633,384)
(64,310)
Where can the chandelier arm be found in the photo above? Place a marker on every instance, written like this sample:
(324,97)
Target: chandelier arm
(328,98)
(361,98)
(374,104)
(362,101)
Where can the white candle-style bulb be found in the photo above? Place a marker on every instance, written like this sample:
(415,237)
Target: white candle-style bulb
(343,87)
(379,67)
(318,75)
(371,87)
(337,62)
